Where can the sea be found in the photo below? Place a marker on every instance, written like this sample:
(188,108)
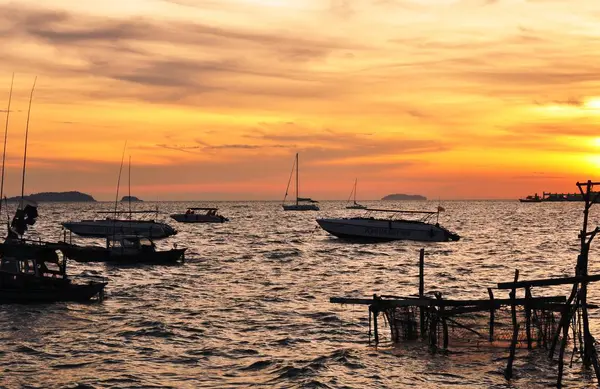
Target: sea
(250,306)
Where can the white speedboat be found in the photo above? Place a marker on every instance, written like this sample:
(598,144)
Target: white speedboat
(302,203)
(103,228)
(379,229)
(190,216)
(355,205)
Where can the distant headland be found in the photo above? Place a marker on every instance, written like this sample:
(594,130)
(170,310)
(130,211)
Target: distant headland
(133,199)
(72,196)
(399,196)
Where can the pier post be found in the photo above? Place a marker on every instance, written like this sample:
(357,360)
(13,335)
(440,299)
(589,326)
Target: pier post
(422,291)
(508,373)
(492,314)
(528,316)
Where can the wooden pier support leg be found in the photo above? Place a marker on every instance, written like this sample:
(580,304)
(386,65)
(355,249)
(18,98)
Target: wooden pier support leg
(444,322)
(561,353)
(422,292)
(492,314)
(564,321)
(508,373)
(528,316)
(375,326)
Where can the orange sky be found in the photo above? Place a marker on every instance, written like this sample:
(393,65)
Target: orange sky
(447,98)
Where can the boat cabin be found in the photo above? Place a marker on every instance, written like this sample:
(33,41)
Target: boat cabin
(130,244)
(209,211)
(40,262)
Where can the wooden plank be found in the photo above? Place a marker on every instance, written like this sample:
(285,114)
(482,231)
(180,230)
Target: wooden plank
(483,304)
(549,282)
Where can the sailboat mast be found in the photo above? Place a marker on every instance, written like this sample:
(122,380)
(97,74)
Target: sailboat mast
(119,179)
(5,140)
(26,141)
(129,187)
(297,191)
(355,182)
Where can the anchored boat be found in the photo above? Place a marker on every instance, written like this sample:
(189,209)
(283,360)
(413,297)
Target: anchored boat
(302,203)
(190,216)
(34,272)
(104,228)
(125,250)
(531,199)
(355,205)
(380,229)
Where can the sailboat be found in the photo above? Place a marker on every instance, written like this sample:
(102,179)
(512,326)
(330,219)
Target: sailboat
(119,226)
(355,205)
(302,203)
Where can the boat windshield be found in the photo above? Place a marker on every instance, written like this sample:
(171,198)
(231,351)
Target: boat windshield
(423,216)
(146,242)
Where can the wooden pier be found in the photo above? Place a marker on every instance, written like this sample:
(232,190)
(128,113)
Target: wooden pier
(549,322)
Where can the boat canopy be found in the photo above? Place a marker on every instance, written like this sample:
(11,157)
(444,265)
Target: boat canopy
(140,211)
(309,200)
(400,211)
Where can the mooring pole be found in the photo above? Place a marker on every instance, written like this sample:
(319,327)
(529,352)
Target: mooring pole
(492,313)
(528,316)
(422,290)
(508,373)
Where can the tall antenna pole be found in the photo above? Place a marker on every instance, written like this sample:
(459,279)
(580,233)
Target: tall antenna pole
(26,141)
(130,187)
(5,139)
(297,190)
(119,180)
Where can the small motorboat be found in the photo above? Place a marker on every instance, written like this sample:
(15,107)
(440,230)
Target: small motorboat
(125,250)
(531,199)
(36,272)
(379,229)
(190,216)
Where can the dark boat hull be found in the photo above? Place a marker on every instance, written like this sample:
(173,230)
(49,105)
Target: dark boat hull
(73,293)
(99,254)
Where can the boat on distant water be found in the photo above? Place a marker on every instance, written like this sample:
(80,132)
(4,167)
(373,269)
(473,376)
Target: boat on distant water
(388,229)
(190,216)
(355,205)
(531,199)
(124,250)
(302,203)
(112,226)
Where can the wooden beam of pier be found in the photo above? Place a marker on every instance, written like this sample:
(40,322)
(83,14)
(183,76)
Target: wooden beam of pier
(549,282)
(484,304)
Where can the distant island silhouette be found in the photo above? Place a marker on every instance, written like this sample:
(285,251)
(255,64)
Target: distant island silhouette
(72,196)
(399,196)
(133,199)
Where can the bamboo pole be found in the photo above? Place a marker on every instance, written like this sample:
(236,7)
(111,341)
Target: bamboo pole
(422,291)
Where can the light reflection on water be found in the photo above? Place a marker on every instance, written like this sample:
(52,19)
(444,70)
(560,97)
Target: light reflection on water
(251,304)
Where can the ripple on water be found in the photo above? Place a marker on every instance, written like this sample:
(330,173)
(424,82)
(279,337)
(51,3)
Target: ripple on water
(251,306)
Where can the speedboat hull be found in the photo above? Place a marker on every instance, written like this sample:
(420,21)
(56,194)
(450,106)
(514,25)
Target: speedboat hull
(301,207)
(198,218)
(109,227)
(386,230)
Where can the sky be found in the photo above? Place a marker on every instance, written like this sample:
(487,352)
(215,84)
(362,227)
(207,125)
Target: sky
(451,99)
